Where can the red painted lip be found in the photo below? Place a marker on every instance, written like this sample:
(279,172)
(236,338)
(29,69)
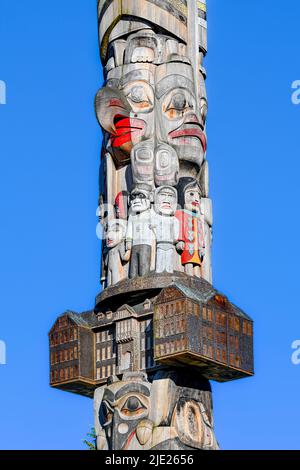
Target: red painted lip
(190,132)
(126,128)
(195,204)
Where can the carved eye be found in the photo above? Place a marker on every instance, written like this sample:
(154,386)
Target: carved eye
(178,105)
(178,102)
(137,94)
(133,406)
(139,97)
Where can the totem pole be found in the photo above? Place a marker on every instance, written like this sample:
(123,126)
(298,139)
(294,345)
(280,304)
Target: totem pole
(159,330)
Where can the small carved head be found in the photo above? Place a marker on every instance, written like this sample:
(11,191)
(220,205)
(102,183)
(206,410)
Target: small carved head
(115,232)
(165,200)
(190,194)
(140,199)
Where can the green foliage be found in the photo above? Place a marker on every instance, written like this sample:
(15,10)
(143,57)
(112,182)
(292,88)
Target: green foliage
(91,442)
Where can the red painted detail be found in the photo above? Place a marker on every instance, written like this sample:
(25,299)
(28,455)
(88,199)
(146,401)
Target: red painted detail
(126,445)
(116,102)
(125,129)
(190,132)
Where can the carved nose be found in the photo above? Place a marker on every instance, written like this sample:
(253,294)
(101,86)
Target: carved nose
(191,118)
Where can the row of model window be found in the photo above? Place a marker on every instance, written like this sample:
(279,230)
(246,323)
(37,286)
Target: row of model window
(105,335)
(66,373)
(170,347)
(105,371)
(105,352)
(234,359)
(221,355)
(124,327)
(65,336)
(64,355)
(172,327)
(172,308)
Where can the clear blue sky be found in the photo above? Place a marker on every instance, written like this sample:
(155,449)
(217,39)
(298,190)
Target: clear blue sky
(50,145)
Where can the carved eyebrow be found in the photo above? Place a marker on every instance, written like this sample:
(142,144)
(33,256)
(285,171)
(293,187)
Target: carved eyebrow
(112,397)
(128,388)
(137,75)
(173,81)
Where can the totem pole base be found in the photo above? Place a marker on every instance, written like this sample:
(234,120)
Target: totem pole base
(171,411)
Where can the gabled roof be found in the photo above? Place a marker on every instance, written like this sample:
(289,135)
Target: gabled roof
(130,310)
(203,294)
(81,320)
(78,319)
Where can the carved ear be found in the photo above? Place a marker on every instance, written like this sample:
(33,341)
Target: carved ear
(189,424)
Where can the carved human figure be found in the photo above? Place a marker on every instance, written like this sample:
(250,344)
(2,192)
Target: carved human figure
(116,255)
(130,414)
(191,244)
(166,227)
(140,235)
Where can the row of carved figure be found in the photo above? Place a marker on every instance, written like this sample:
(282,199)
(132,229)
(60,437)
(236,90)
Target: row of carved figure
(160,223)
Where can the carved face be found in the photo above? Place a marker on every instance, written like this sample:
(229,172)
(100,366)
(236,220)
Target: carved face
(192,198)
(134,414)
(179,123)
(125,109)
(115,233)
(139,201)
(123,406)
(165,200)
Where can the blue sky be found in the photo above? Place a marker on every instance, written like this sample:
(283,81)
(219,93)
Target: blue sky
(50,145)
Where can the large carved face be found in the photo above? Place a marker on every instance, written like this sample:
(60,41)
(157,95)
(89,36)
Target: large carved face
(125,109)
(165,200)
(179,124)
(123,406)
(135,414)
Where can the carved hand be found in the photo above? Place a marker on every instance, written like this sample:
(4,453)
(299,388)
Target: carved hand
(128,245)
(180,246)
(126,256)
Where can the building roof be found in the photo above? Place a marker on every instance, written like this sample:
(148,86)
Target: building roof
(203,294)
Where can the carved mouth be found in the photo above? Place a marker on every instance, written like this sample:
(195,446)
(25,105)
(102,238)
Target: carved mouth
(126,129)
(187,133)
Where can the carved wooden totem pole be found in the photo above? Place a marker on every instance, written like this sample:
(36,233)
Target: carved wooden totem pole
(159,330)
